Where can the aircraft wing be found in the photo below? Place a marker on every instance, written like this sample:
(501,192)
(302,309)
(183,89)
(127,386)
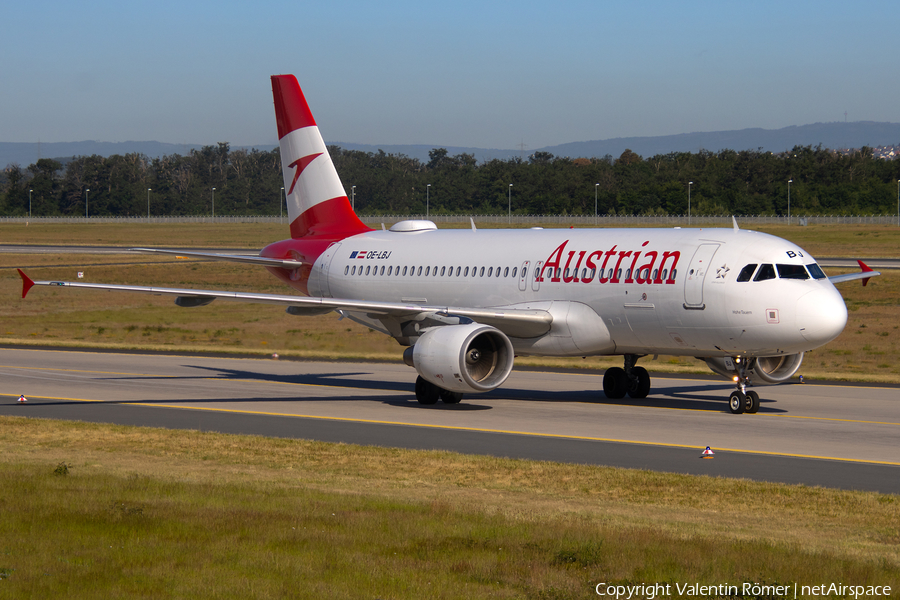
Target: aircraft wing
(241,258)
(865,275)
(517,322)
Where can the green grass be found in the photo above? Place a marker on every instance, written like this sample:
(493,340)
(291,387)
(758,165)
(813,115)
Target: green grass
(99,511)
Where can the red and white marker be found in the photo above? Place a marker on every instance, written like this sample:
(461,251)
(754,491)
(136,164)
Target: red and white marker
(708,453)
(22,398)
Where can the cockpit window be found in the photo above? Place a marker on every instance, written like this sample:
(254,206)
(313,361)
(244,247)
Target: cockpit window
(746,273)
(792,272)
(765,272)
(816,271)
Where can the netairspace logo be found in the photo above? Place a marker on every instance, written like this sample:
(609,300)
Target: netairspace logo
(649,591)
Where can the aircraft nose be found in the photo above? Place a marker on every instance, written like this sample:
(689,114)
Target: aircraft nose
(821,315)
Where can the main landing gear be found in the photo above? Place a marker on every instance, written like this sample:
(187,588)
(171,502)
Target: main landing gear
(632,380)
(742,401)
(428,393)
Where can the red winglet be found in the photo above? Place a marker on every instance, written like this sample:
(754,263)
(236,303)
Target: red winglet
(865,268)
(27,283)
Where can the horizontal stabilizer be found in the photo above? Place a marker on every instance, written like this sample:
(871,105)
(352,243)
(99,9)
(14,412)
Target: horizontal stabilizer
(252,259)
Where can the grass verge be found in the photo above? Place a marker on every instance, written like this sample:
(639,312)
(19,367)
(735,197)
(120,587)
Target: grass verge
(98,511)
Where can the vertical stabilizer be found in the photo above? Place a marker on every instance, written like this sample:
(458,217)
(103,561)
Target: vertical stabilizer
(316,202)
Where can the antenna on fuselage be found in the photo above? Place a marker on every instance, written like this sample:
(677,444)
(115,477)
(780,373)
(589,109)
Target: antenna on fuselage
(733,220)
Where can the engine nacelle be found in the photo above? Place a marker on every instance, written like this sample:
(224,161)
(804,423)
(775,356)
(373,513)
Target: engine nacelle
(462,358)
(763,370)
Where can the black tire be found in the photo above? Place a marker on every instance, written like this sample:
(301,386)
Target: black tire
(450,397)
(639,387)
(737,402)
(615,383)
(751,406)
(426,392)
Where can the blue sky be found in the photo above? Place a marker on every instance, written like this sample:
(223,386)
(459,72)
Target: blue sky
(483,74)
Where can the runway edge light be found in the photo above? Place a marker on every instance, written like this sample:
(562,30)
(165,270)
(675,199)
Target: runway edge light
(708,453)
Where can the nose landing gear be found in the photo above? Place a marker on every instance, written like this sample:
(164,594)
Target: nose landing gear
(742,401)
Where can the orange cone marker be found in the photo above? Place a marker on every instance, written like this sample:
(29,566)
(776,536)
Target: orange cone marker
(707,453)
(22,398)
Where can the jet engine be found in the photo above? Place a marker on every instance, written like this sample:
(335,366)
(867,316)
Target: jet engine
(763,370)
(462,358)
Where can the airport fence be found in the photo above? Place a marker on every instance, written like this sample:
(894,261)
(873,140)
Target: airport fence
(513,220)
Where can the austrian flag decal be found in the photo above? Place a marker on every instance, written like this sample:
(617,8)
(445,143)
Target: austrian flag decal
(370,254)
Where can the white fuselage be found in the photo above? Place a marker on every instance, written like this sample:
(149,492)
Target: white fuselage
(647,291)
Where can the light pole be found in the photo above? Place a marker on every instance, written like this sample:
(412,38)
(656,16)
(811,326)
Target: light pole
(29,199)
(353,197)
(509,208)
(790,181)
(690,183)
(281,205)
(214,203)
(596,186)
(427,198)
(148,203)
(86,194)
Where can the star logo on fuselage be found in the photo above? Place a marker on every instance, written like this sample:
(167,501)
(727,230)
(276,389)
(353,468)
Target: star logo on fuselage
(722,271)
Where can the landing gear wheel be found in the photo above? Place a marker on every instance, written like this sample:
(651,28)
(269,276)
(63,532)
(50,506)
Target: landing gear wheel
(450,397)
(426,392)
(639,387)
(751,406)
(615,383)
(737,402)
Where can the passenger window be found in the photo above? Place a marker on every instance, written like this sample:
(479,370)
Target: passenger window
(506,272)
(674,273)
(346,269)
(515,269)
(655,273)
(628,274)
(458,270)
(490,271)
(746,273)
(816,271)
(353,272)
(427,271)
(444,269)
(466,274)
(765,272)
(368,269)
(792,272)
(619,274)
(419,272)
(482,271)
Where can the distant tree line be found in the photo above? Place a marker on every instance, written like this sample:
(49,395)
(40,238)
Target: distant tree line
(250,183)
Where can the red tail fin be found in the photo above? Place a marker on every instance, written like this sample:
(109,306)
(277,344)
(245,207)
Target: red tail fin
(316,201)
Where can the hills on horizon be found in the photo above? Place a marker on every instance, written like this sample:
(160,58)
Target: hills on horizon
(836,136)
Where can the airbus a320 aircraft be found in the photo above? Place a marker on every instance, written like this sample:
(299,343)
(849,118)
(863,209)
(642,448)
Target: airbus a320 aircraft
(466,302)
